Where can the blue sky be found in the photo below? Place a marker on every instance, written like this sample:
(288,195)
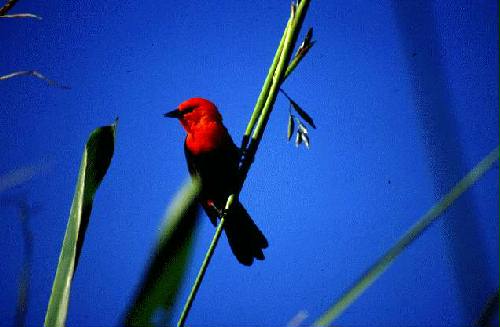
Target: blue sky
(405,97)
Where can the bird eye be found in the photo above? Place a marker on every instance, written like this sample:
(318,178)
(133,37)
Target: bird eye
(187,110)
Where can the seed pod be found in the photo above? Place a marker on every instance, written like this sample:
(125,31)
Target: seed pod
(298,139)
(291,127)
(305,139)
(301,127)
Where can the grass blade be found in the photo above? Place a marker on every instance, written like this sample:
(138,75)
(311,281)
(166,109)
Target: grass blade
(95,162)
(371,275)
(36,74)
(22,15)
(163,278)
(21,175)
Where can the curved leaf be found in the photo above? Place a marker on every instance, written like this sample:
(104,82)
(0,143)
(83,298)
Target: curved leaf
(95,162)
(163,277)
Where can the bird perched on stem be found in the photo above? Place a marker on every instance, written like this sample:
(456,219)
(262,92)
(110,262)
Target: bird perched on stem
(212,156)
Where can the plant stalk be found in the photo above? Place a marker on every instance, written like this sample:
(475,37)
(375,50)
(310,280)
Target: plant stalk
(264,91)
(203,268)
(268,93)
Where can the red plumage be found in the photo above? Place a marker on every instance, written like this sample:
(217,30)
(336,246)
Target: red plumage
(212,156)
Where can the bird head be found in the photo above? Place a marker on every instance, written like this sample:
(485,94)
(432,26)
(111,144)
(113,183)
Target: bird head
(195,112)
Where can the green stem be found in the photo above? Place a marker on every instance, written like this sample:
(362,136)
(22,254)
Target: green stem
(275,76)
(264,91)
(204,265)
(278,77)
(369,277)
(201,274)
(290,40)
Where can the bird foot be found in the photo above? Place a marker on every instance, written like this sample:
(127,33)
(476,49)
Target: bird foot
(220,212)
(243,154)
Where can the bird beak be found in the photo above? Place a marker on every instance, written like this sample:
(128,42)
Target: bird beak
(173,114)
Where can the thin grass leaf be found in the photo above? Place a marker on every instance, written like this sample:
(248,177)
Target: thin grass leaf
(162,280)
(95,162)
(381,265)
(22,15)
(21,175)
(298,319)
(36,74)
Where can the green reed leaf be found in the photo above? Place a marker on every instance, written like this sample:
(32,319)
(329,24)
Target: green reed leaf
(162,280)
(380,266)
(95,162)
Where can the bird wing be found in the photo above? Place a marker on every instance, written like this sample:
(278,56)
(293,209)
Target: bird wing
(218,172)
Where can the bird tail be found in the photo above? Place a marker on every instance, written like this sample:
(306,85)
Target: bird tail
(245,238)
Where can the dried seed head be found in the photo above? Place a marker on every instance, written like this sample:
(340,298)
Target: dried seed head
(298,138)
(305,139)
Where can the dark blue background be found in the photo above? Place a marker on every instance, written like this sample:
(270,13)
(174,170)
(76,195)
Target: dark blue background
(401,91)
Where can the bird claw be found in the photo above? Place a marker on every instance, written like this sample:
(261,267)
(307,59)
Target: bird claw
(243,154)
(220,212)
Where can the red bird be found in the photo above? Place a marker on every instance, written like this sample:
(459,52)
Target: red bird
(212,156)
